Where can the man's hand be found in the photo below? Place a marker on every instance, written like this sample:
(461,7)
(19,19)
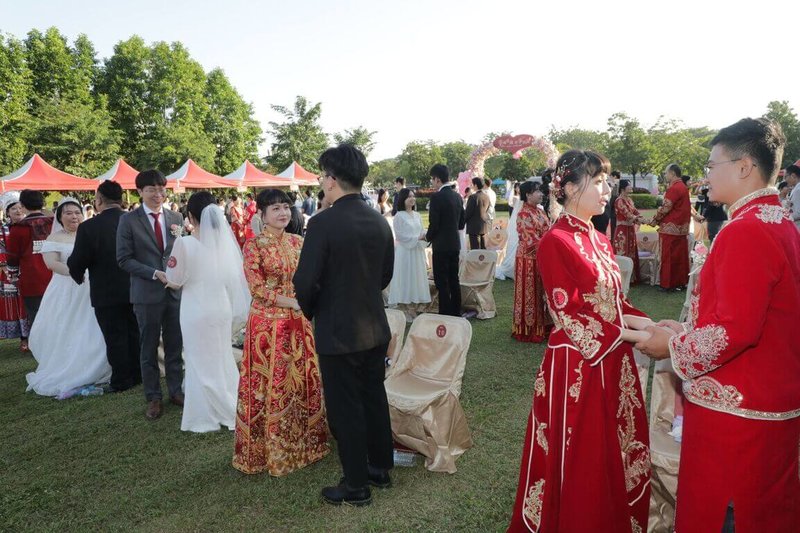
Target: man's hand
(674,325)
(657,346)
(161,276)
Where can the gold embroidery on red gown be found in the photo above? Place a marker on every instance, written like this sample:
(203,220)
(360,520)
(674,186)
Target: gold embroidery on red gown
(280,418)
(541,440)
(533,503)
(531,320)
(635,455)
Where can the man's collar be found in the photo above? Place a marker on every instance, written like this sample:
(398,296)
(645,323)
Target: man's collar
(147,210)
(448,184)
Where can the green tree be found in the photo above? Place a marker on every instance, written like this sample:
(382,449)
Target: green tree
(629,147)
(299,137)
(417,159)
(577,138)
(360,137)
(787,118)
(456,155)
(383,173)
(230,125)
(16,90)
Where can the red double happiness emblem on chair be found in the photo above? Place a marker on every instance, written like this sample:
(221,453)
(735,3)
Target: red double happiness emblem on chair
(441,331)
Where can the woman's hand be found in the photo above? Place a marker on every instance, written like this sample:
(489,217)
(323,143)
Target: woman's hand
(674,325)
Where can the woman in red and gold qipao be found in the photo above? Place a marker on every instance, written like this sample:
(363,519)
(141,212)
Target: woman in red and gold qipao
(586,462)
(625,235)
(280,417)
(238,224)
(13,320)
(531,319)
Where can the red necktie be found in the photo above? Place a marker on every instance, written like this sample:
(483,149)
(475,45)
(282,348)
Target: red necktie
(157,228)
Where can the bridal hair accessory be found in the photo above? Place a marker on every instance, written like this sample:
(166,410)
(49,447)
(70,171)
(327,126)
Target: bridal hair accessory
(68,200)
(563,171)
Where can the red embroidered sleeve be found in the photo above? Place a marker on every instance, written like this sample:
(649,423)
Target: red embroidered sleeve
(669,201)
(580,303)
(730,316)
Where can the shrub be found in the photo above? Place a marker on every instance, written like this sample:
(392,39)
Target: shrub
(645,201)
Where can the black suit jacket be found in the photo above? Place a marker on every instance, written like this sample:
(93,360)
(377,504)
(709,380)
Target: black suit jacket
(445,219)
(346,261)
(96,251)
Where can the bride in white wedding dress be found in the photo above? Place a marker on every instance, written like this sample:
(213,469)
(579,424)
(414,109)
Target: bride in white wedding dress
(214,304)
(65,339)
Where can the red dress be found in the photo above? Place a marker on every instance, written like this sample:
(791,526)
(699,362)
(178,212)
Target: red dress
(586,460)
(249,212)
(25,240)
(13,320)
(673,227)
(531,319)
(625,234)
(280,416)
(740,362)
(238,224)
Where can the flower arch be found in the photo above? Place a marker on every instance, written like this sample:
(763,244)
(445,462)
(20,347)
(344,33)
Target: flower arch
(489,149)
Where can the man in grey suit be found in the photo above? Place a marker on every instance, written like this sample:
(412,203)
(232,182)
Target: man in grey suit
(477,216)
(144,243)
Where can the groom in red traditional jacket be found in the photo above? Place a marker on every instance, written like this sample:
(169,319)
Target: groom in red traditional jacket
(737,355)
(672,219)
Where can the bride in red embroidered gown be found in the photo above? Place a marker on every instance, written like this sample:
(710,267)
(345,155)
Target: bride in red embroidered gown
(586,462)
(280,417)
(625,235)
(531,319)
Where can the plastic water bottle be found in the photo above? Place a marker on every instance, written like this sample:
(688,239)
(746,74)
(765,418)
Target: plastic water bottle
(404,458)
(91,390)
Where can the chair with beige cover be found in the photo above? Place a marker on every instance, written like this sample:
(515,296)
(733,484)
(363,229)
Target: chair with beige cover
(424,389)
(626,269)
(476,275)
(649,256)
(665,452)
(397,327)
(496,241)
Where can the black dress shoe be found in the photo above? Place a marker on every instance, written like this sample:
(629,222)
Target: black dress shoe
(341,494)
(109,389)
(378,477)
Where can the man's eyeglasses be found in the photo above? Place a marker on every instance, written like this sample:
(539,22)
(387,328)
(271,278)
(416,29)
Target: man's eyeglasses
(711,164)
(155,190)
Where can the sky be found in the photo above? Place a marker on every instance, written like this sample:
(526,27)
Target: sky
(451,70)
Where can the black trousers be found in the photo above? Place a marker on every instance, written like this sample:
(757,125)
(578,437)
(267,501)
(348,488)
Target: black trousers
(157,321)
(31,304)
(476,242)
(358,413)
(121,333)
(445,277)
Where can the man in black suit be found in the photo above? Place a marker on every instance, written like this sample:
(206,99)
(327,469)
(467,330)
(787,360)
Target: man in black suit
(109,286)
(346,261)
(477,215)
(445,219)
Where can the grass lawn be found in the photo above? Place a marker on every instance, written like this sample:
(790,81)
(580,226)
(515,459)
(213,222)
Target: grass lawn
(96,464)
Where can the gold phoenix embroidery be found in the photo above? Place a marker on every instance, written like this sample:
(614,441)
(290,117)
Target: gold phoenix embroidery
(541,440)
(532,508)
(635,455)
(539,384)
(603,300)
(575,388)
(584,336)
(699,348)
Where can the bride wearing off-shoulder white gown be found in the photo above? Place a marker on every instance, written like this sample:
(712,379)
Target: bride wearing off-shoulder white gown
(65,339)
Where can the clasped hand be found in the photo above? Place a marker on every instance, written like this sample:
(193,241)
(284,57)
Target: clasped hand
(656,344)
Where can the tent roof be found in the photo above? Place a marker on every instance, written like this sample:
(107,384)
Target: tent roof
(193,176)
(247,175)
(36,174)
(299,175)
(122,173)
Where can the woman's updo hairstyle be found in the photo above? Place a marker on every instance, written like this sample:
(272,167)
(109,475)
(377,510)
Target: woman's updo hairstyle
(269,197)
(623,184)
(60,208)
(199,201)
(575,166)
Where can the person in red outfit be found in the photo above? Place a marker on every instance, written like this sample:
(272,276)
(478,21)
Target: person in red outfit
(25,240)
(737,355)
(586,460)
(531,320)
(672,220)
(624,236)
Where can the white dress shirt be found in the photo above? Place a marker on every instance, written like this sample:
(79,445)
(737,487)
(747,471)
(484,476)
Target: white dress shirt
(161,220)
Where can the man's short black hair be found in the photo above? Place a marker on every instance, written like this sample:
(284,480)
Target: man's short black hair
(346,164)
(792,169)
(616,174)
(400,179)
(478,183)
(150,177)
(31,200)
(761,139)
(440,172)
(111,191)
(675,169)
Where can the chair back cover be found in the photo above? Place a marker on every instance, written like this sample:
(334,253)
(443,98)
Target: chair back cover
(626,269)
(496,239)
(436,350)
(478,267)
(397,326)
